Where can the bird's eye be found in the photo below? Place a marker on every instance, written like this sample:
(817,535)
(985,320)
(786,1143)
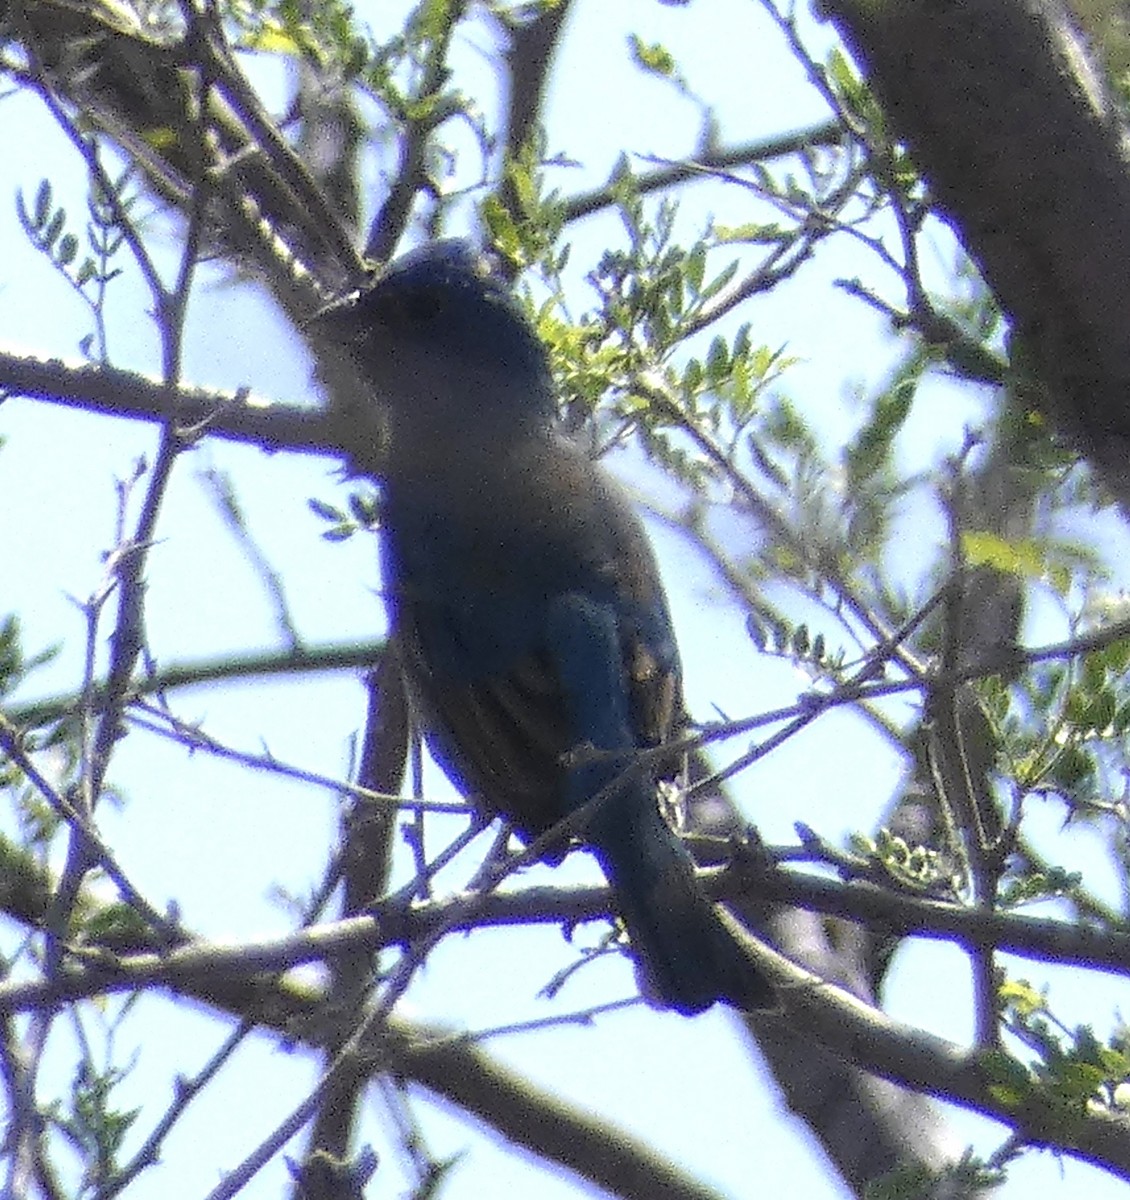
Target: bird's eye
(422,304)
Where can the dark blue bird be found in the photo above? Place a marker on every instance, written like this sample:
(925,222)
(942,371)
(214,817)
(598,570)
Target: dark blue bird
(531,621)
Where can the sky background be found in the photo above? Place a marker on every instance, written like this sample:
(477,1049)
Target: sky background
(216,838)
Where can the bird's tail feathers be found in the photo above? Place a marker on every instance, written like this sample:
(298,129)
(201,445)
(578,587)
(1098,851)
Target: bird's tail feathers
(687,956)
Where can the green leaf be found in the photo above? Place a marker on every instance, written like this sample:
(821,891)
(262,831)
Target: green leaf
(719,282)
(756,232)
(1010,1081)
(326,511)
(1022,996)
(54,228)
(717,360)
(742,342)
(1121,720)
(653,57)
(86,272)
(1100,712)
(1078,1081)
(272,38)
(42,203)
(870,451)
(840,71)
(67,250)
(292,39)
(692,377)
(365,508)
(1071,768)
(695,268)
(504,233)
(1022,557)
(162,138)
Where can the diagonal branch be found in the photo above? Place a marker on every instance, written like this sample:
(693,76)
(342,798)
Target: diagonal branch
(1011,126)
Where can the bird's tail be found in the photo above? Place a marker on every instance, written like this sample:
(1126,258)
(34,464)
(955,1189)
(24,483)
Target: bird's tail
(688,958)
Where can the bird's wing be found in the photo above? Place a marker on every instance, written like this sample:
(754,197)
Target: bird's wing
(476,589)
(501,739)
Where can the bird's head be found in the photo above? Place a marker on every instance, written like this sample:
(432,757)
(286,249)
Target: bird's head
(443,345)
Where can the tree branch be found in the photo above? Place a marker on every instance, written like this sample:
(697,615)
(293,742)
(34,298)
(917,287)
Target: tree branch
(125,962)
(116,393)
(1015,134)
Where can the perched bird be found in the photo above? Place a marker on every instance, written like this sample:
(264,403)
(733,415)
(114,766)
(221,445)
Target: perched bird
(532,625)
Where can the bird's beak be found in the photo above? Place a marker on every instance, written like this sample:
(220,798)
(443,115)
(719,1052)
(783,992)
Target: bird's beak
(339,321)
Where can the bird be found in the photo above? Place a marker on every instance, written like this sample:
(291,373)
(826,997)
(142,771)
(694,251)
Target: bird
(526,604)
